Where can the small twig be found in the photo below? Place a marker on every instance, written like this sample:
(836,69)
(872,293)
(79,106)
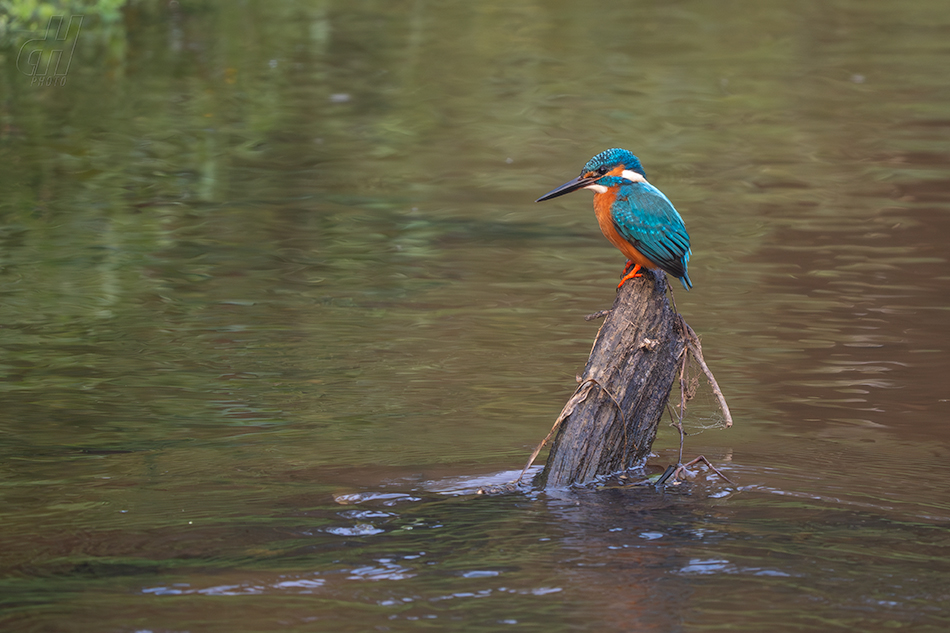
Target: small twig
(678,425)
(676,472)
(597,315)
(693,462)
(692,341)
(679,422)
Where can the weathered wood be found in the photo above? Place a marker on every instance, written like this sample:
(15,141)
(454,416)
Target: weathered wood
(610,422)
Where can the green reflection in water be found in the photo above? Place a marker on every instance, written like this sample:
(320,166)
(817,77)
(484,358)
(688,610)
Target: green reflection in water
(253,257)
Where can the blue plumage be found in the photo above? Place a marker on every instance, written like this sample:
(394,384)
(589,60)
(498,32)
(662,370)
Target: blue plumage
(647,219)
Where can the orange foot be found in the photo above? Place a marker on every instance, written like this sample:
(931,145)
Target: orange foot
(629,275)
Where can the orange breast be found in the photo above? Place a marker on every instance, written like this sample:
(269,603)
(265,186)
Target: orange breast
(602,204)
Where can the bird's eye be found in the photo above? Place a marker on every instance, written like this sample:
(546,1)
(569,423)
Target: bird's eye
(602,170)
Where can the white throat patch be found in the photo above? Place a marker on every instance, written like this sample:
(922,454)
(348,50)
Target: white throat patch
(597,188)
(632,176)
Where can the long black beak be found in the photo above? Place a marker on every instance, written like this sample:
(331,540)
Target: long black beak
(578,183)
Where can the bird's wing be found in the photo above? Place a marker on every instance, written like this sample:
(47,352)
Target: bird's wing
(646,217)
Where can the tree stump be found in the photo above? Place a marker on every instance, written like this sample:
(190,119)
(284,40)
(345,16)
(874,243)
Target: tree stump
(610,422)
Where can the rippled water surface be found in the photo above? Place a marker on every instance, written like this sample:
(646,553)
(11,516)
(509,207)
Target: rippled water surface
(276,301)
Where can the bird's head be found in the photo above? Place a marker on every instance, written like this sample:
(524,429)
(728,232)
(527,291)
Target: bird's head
(610,168)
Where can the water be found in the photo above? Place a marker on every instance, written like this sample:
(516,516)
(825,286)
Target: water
(276,301)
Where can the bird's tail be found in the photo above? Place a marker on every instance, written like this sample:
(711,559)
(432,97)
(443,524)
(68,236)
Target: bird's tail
(685,281)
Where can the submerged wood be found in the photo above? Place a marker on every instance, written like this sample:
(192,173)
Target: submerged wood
(611,420)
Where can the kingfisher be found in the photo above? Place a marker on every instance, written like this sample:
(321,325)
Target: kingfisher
(633,215)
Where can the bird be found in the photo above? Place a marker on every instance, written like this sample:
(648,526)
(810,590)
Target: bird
(633,215)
